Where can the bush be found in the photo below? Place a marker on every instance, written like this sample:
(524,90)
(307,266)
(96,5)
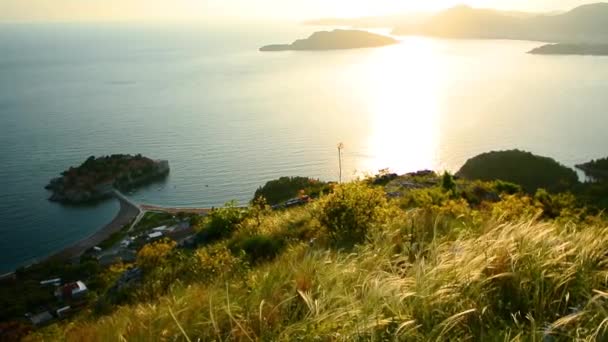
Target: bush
(508,188)
(152,255)
(447,182)
(424,197)
(221,223)
(286,188)
(350,211)
(259,248)
(213,262)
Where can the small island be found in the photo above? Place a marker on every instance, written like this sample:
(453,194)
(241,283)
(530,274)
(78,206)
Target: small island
(96,178)
(572,49)
(335,40)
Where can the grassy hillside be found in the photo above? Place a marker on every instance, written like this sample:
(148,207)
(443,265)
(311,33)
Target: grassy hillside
(441,261)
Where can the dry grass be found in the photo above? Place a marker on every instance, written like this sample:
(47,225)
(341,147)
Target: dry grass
(522,280)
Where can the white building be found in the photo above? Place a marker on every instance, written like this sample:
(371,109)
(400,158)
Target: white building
(75,290)
(155,235)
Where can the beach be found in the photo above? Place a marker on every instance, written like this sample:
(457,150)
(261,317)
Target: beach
(128,211)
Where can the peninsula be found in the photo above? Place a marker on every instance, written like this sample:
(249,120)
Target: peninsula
(572,49)
(335,40)
(96,178)
(595,169)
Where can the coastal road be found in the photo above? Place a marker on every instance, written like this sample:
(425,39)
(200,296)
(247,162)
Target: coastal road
(173,211)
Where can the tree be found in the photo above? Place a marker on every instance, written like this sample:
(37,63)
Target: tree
(447,182)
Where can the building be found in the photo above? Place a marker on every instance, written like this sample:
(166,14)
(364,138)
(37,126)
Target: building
(155,236)
(76,290)
(160,229)
(54,282)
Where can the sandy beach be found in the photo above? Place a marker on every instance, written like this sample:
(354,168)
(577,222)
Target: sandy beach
(125,215)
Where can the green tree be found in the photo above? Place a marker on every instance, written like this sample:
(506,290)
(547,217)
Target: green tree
(447,182)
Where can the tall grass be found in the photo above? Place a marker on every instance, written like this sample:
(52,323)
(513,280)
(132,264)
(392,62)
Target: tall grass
(413,280)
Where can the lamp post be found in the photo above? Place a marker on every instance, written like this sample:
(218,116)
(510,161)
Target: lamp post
(340,147)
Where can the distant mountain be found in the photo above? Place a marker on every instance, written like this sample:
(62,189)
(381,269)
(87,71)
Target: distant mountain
(335,40)
(466,22)
(585,23)
(389,21)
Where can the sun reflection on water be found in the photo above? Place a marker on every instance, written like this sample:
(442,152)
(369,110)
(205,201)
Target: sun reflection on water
(403,87)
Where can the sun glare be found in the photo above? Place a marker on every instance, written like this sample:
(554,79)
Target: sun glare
(403,83)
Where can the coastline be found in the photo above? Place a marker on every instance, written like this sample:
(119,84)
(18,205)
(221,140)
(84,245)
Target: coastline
(128,212)
(125,215)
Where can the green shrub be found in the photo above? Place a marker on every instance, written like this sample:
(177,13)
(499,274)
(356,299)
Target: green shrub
(215,261)
(285,188)
(424,197)
(447,182)
(221,223)
(350,211)
(508,188)
(259,248)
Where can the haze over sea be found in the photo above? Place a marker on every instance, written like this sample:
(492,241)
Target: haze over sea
(229,118)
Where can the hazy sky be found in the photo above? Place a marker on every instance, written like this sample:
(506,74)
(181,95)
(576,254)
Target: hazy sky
(86,10)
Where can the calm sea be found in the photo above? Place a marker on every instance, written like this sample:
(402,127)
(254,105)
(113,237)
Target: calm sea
(229,118)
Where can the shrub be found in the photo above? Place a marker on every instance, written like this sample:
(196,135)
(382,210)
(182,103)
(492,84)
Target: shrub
(259,248)
(213,262)
(350,211)
(507,187)
(424,197)
(221,223)
(285,188)
(447,182)
(151,255)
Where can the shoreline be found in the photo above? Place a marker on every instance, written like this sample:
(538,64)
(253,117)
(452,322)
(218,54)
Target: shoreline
(128,212)
(125,215)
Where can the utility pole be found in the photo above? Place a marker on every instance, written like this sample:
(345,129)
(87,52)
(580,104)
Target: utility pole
(340,147)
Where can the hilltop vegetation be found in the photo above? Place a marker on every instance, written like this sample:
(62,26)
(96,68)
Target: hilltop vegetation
(438,259)
(285,188)
(596,169)
(526,169)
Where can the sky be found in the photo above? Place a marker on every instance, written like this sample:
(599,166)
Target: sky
(210,10)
